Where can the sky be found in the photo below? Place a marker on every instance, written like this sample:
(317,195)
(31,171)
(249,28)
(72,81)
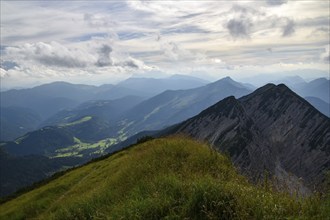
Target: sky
(99,42)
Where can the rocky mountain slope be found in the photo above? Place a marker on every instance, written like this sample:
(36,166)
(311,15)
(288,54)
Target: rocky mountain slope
(271,130)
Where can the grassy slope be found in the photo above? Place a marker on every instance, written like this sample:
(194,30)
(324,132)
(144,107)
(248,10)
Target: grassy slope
(82,120)
(173,177)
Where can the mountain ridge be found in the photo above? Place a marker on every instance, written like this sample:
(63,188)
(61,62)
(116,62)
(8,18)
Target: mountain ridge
(264,131)
(173,177)
(173,106)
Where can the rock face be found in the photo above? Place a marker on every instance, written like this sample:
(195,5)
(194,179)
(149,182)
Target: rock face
(272,131)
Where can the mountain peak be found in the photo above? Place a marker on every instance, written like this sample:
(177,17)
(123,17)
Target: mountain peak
(227,81)
(227,77)
(270,129)
(270,90)
(275,99)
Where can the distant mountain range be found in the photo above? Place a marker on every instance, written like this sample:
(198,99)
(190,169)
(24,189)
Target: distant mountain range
(50,101)
(108,110)
(319,104)
(262,132)
(96,120)
(171,107)
(319,88)
(16,121)
(149,86)
(60,102)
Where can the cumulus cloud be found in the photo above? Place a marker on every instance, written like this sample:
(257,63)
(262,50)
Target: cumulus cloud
(104,37)
(245,21)
(136,64)
(49,54)
(239,28)
(56,60)
(241,21)
(104,58)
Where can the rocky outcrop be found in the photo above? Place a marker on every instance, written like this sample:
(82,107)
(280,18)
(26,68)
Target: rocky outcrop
(271,130)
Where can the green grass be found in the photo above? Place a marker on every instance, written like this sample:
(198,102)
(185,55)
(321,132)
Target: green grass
(20,139)
(78,149)
(168,178)
(84,119)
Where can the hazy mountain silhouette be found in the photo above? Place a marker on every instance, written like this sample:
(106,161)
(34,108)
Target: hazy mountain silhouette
(16,121)
(319,88)
(50,98)
(171,107)
(108,110)
(150,86)
(320,105)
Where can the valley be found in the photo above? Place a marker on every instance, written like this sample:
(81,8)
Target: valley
(98,127)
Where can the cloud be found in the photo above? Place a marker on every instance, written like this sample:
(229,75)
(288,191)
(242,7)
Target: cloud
(242,21)
(98,20)
(276,2)
(53,59)
(171,50)
(49,54)
(3,73)
(325,56)
(239,28)
(289,28)
(104,56)
(245,22)
(137,64)
(111,38)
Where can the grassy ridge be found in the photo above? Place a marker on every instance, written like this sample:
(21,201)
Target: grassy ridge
(173,177)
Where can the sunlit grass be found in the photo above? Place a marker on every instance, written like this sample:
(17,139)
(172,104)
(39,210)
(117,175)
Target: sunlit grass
(79,148)
(172,178)
(82,120)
